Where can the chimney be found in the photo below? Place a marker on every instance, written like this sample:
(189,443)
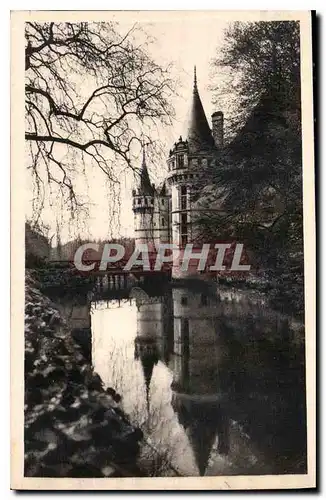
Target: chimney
(217,128)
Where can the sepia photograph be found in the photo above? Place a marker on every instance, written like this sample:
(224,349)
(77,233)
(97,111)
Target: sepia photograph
(163,232)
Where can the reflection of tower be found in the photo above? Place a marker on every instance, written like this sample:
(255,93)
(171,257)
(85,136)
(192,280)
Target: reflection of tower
(188,163)
(198,358)
(146,351)
(153,333)
(78,320)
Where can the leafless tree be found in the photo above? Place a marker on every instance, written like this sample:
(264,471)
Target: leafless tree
(92,94)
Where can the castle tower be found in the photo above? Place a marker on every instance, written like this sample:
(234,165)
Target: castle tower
(151,210)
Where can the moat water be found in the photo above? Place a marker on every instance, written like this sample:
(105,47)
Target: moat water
(214,380)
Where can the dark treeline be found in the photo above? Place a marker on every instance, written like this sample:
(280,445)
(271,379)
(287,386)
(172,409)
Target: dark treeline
(259,172)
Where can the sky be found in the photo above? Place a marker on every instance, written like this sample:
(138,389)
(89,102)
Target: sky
(184,39)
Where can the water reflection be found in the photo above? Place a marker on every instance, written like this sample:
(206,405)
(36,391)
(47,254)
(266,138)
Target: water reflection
(192,366)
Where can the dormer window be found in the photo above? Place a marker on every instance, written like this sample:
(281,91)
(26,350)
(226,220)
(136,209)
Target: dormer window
(181,161)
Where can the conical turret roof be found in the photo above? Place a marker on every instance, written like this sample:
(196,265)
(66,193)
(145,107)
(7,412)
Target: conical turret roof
(199,134)
(145,183)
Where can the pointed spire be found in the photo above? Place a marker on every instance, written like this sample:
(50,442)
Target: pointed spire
(199,133)
(144,154)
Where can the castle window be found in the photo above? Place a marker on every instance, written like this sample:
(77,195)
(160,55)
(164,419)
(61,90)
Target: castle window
(162,202)
(152,201)
(138,201)
(181,161)
(146,201)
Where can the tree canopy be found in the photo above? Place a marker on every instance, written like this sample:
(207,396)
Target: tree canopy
(92,94)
